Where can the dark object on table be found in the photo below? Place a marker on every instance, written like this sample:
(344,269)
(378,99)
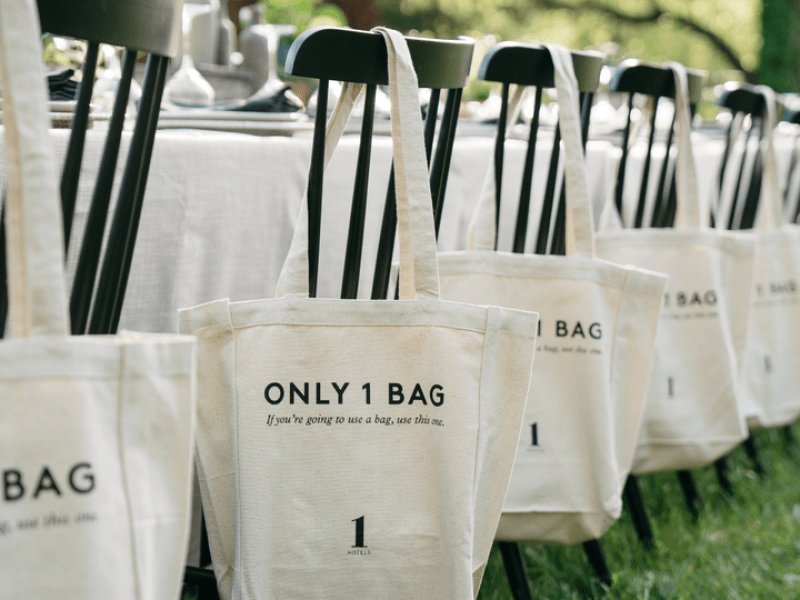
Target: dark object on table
(283,102)
(62,86)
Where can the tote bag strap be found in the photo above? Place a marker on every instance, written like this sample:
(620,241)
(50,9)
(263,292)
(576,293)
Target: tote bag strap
(580,241)
(689,214)
(419,271)
(293,280)
(770,208)
(34,238)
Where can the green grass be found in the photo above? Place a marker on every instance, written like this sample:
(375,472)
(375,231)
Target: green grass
(743,546)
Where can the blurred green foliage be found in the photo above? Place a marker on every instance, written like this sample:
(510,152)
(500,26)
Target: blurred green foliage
(303,14)
(651,30)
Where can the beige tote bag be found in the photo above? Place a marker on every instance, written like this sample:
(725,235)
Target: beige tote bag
(770,378)
(692,414)
(95,431)
(354,448)
(595,344)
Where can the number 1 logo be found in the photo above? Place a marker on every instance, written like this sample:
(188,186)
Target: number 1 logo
(359,532)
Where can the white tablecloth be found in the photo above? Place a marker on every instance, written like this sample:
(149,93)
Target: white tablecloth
(220,209)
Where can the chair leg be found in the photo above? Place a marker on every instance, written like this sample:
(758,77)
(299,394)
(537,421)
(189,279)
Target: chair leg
(752,451)
(788,436)
(722,467)
(594,552)
(515,570)
(635,503)
(3,281)
(693,500)
(204,581)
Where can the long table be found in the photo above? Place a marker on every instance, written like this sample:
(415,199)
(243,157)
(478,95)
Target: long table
(220,210)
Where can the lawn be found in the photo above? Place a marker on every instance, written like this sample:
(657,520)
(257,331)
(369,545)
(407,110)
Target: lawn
(746,545)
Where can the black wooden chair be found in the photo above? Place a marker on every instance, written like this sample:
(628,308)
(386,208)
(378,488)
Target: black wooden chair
(635,78)
(348,55)
(529,65)
(524,64)
(149,26)
(335,54)
(745,104)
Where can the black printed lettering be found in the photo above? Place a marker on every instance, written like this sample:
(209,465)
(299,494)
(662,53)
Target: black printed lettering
(269,395)
(46,482)
(12,485)
(396,393)
(86,481)
(295,391)
(340,391)
(417,394)
(561,329)
(365,387)
(437,395)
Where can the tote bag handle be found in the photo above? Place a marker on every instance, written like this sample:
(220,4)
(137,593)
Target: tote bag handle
(580,241)
(419,270)
(770,208)
(34,238)
(690,213)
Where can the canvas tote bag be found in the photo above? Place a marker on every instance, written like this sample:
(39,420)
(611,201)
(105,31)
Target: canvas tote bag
(597,329)
(354,448)
(770,377)
(691,415)
(95,431)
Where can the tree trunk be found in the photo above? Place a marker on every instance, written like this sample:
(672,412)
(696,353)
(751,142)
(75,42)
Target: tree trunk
(361,14)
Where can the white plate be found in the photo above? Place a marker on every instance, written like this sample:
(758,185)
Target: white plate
(230,115)
(251,127)
(60,106)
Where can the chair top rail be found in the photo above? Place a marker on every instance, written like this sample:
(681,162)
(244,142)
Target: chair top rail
(529,64)
(742,97)
(635,77)
(342,54)
(152,26)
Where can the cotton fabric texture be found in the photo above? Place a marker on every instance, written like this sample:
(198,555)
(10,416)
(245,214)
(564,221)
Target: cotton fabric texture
(692,414)
(95,431)
(595,344)
(359,449)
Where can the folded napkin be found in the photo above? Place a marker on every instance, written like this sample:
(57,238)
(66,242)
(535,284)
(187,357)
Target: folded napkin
(62,86)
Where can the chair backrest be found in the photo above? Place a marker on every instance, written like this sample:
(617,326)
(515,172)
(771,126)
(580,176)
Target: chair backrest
(336,54)
(745,103)
(635,78)
(150,26)
(530,65)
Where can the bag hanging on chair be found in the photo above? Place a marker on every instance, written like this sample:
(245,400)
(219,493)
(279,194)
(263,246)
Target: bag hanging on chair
(95,431)
(770,377)
(597,328)
(354,448)
(692,414)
